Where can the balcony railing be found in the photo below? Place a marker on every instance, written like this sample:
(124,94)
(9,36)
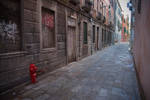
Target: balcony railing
(88,5)
(99,16)
(104,19)
(89,2)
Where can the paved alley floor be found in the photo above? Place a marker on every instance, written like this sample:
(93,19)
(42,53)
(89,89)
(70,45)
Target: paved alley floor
(107,75)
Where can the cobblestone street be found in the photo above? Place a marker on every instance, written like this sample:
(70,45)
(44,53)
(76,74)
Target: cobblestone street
(107,75)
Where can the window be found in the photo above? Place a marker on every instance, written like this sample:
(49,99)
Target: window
(10,28)
(97,5)
(97,36)
(85,32)
(93,33)
(48,28)
(139,6)
(102,8)
(93,4)
(124,30)
(105,38)
(102,35)
(97,32)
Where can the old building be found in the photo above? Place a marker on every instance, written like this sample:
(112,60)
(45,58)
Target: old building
(139,39)
(125,29)
(118,21)
(140,30)
(50,34)
(131,6)
(108,27)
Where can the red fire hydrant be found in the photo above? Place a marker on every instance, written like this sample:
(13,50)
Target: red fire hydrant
(33,75)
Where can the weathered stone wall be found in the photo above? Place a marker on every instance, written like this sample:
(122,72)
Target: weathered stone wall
(15,65)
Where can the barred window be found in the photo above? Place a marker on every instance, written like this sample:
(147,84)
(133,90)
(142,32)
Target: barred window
(48,28)
(10,33)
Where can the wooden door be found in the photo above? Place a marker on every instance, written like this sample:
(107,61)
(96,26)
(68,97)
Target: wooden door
(71,44)
(97,43)
(85,40)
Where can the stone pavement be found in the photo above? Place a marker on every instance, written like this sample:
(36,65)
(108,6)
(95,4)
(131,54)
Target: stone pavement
(107,75)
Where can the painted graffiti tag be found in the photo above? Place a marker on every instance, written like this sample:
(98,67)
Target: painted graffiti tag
(8,30)
(48,20)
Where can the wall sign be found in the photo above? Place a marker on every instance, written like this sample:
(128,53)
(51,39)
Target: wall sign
(71,22)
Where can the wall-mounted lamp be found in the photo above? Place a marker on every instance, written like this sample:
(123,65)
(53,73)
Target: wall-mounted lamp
(129,5)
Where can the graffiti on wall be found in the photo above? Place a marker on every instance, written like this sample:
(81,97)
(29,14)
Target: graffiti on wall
(48,28)
(9,30)
(10,36)
(48,20)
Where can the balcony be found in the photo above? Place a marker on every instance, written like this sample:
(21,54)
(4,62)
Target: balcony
(110,24)
(104,19)
(99,16)
(87,6)
(89,2)
(75,2)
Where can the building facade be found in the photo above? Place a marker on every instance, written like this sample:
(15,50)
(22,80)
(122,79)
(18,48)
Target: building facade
(140,29)
(131,5)
(125,33)
(50,34)
(118,21)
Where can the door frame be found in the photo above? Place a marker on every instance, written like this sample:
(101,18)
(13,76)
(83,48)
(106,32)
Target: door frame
(67,32)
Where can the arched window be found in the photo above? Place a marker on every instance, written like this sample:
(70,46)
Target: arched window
(139,6)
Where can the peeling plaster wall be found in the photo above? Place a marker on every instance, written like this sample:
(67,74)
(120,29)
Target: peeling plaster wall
(141,48)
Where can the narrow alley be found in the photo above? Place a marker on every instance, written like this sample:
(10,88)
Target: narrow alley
(107,75)
(74,50)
